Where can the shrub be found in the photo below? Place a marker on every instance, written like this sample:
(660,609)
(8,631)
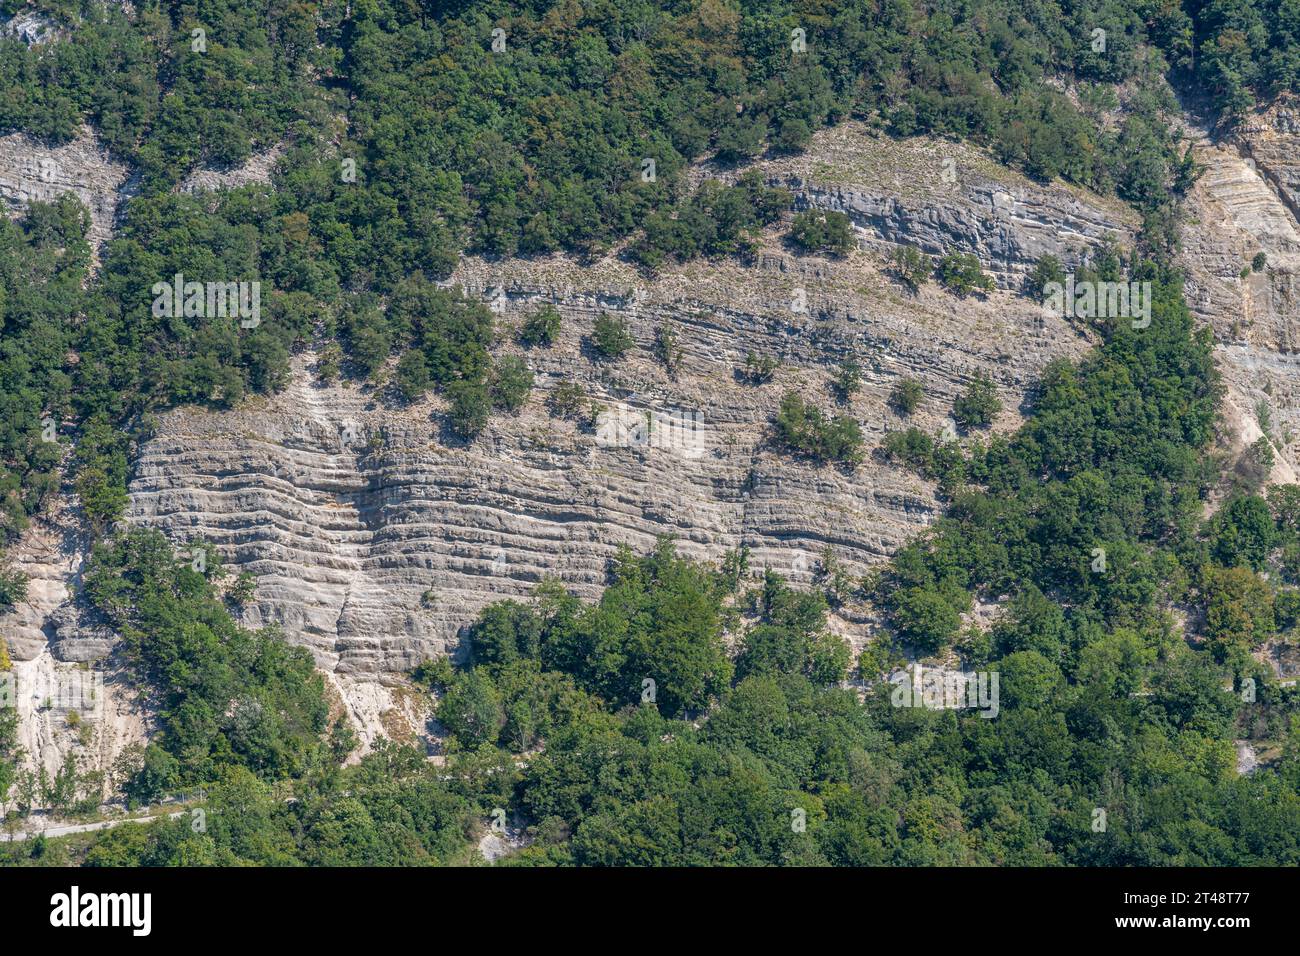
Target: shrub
(13,587)
(803,428)
(567,399)
(1047,270)
(848,380)
(610,337)
(960,272)
(759,368)
(540,329)
(978,405)
(666,349)
(512,380)
(912,266)
(470,404)
(906,396)
(817,230)
(412,376)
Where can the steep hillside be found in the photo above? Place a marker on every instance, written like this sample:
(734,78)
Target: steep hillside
(374,539)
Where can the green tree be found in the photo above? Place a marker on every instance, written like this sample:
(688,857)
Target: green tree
(610,337)
(541,329)
(470,405)
(978,405)
(512,380)
(906,396)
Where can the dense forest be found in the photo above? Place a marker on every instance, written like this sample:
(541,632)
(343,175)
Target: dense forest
(413,133)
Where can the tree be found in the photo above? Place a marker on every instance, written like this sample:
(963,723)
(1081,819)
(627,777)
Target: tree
(759,368)
(1243,532)
(567,399)
(13,586)
(470,405)
(512,380)
(906,396)
(960,272)
(805,429)
(540,329)
(1238,609)
(667,350)
(912,266)
(817,230)
(848,379)
(924,618)
(1046,271)
(471,709)
(610,336)
(412,375)
(978,405)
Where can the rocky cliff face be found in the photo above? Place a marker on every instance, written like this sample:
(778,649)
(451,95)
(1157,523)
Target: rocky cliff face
(1244,204)
(32,171)
(375,538)
(948,197)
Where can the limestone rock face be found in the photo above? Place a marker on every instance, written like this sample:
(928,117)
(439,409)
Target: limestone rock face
(1244,203)
(31,171)
(257,169)
(948,197)
(375,536)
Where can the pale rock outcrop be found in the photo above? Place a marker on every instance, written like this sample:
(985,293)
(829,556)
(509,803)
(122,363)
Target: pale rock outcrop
(256,169)
(32,171)
(946,197)
(375,538)
(1244,204)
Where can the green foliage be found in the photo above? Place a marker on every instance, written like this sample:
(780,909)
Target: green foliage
(1238,609)
(13,587)
(610,337)
(541,329)
(225,696)
(1243,533)
(924,618)
(912,266)
(716,220)
(1046,271)
(790,638)
(471,709)
(906,396)
(412,376)
(512,380)
(817,230)
(667,350)
(960,272)
(242,591)
(540,149)
(759,369)
(659,621)
(848,380)
(978,405)
(804,429)
(471,402)
(568,399)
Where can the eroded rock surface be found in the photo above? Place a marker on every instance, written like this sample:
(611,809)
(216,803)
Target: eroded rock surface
(32,171)
(375,538)
(1243,205)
